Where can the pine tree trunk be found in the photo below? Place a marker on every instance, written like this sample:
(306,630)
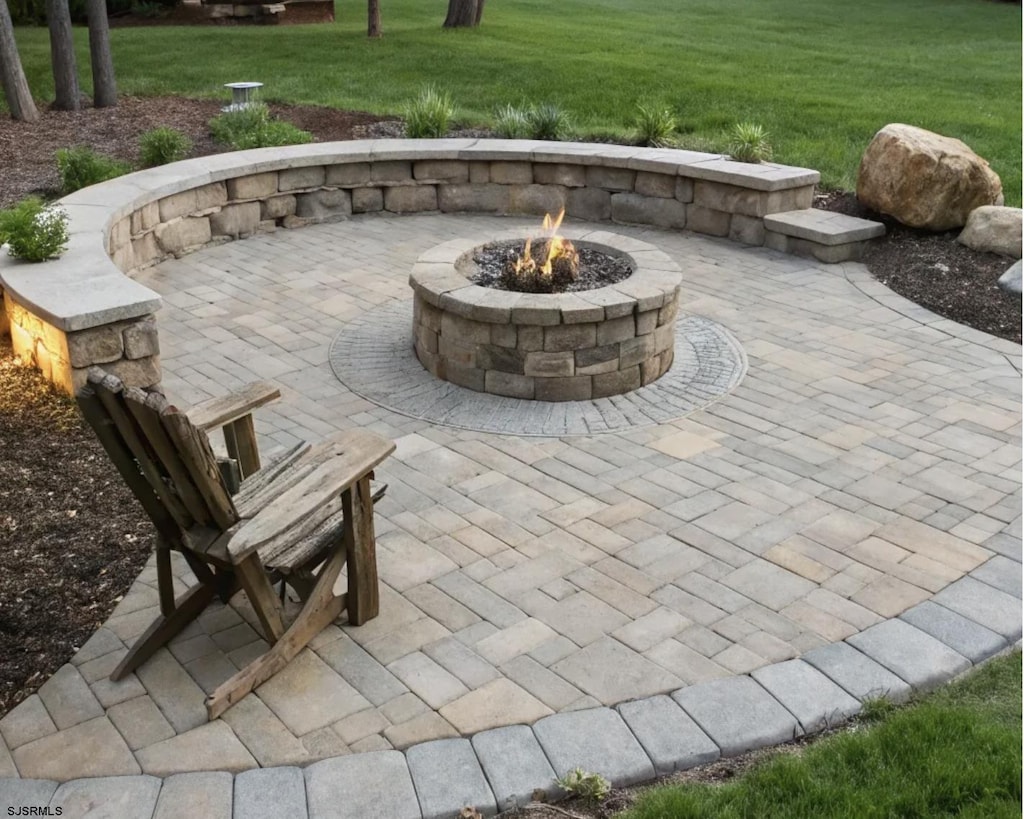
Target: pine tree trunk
(104,86)
(19,99)
(461,13)
(373,18)
(62,56)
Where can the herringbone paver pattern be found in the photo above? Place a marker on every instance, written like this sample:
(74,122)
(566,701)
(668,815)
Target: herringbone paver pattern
(869,457)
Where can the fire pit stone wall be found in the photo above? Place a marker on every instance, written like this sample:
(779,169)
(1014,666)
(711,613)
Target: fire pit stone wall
(546,347)
(138,220)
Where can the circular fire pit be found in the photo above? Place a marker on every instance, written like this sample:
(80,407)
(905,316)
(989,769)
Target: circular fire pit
(547,347)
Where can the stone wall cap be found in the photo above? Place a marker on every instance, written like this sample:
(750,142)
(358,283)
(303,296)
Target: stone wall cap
(74,293)
(413,150)
(823,227)
(765,176)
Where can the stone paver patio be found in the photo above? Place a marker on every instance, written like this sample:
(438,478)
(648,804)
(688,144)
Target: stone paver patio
(868,458)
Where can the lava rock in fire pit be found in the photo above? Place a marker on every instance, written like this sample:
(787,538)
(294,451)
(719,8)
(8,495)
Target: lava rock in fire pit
(588,269)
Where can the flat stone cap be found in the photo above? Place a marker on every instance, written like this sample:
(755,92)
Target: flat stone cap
(823,227)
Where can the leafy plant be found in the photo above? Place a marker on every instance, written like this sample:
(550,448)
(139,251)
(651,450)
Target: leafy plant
(80,167)
(655,125)
(149,9)
(251,126)
(511,122)
(33,230)
(163,145)
(548,121)
(749,143)
(428,115)
(584,784)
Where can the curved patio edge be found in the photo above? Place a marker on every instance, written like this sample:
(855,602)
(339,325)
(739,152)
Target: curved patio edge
(84,308)
(634,742)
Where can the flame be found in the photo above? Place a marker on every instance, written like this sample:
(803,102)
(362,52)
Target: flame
(556,246)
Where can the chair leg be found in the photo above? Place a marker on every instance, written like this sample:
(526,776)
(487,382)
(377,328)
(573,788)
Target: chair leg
(361,548)
(321,609)
(261,594)
(186,609)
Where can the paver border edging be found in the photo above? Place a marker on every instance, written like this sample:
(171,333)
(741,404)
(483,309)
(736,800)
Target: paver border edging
(636,741)
(61,313)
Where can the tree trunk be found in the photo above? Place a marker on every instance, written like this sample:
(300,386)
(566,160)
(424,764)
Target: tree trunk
(62,56)
(479,12)
(104,86)
(373,18)
(463,13)
(19,99)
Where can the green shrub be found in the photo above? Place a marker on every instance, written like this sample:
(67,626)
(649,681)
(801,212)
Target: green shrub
(511,122)
(34,231)
(251,126)
(655,126)
(162,146)
(80,167)
(749,143)
(548,121)
(579,782)
(428,115)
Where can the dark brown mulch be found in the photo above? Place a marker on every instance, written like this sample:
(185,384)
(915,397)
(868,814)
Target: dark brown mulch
(72,537)
(115,131)
(937,272)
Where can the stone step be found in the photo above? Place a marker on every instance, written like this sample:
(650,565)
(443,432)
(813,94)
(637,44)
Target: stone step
(827,236)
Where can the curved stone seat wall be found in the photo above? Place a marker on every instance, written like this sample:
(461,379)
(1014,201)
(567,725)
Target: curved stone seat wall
(84,308)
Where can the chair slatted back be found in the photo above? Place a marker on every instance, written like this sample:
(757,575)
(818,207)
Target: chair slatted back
(164,459)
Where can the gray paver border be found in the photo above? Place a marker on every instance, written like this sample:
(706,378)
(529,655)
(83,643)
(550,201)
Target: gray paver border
(373,357)
(15,792)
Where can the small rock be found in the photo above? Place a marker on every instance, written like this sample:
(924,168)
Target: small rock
(1010,280)
(995,230)
(924,179)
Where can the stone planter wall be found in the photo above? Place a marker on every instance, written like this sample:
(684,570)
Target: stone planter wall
(138,220)
(547,347)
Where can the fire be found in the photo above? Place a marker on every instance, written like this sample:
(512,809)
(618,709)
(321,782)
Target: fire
(550,266)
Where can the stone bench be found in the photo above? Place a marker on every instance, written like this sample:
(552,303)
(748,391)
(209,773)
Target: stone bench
(85,309)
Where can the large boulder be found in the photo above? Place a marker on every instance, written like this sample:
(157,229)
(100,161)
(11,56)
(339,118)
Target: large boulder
(995,230)
(924,179)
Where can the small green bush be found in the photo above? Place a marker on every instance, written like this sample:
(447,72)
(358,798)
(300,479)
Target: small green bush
(429,114)
(749,143)
(548,121)
(251,126)
(33,230)
(579,782)
(655,126)
(162,146)
(511,122)
(80,167)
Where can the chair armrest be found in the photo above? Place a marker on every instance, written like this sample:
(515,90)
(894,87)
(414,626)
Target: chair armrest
(225,409)
(330,468)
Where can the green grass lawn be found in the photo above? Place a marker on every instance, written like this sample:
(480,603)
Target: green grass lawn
(821,76)
(956,753)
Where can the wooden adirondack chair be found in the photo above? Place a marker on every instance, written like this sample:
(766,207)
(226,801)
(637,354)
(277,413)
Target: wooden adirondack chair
(298,519)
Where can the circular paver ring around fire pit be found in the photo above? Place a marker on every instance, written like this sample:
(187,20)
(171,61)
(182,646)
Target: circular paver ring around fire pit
(373,356)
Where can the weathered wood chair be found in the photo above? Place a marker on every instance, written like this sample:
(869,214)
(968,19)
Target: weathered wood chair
(298,519)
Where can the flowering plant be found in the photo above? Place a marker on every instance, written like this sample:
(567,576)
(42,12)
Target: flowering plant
(33,230)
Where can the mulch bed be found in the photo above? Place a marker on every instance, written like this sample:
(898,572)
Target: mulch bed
(72,538)
(937,272)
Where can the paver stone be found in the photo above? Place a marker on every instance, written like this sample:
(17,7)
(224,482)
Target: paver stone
(448,777)
(738,714)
